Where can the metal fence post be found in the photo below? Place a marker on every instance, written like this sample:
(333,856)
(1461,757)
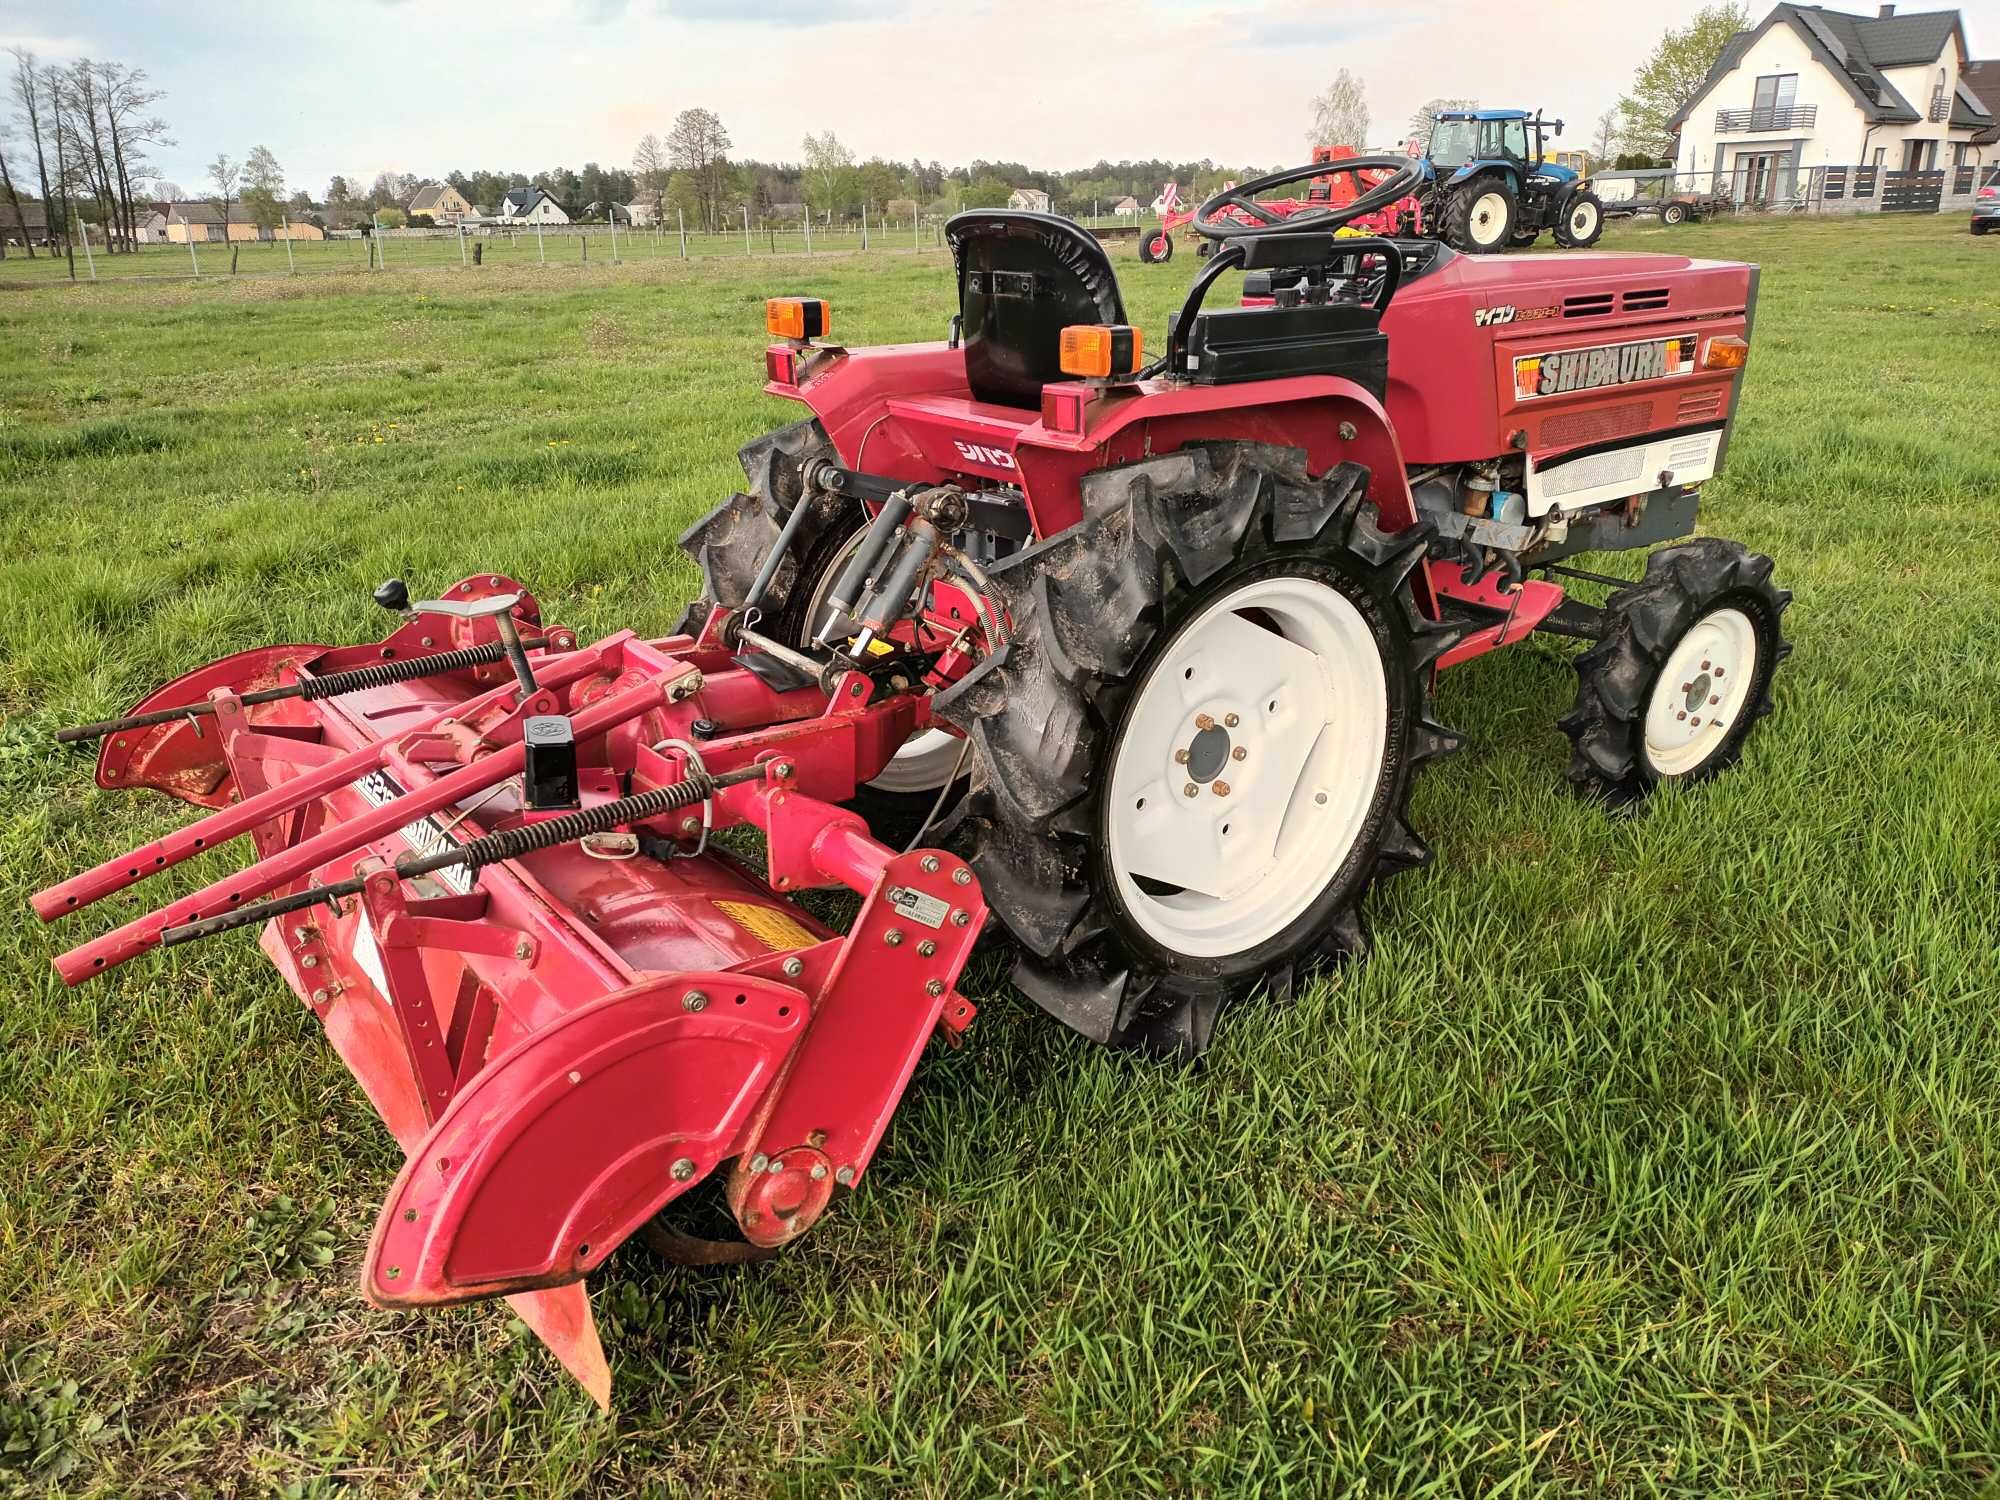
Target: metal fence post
(864,223)
(291,266)
(88,259)
(541,250)
(809,230)
(188,229)
(680,218)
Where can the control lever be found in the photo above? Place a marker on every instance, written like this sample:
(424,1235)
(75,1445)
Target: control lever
(498,608)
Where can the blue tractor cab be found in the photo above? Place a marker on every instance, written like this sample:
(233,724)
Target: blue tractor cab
(1492,187)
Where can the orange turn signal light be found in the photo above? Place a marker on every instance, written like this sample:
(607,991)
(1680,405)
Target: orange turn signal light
(796,317)
(1098,351)
(1726,353)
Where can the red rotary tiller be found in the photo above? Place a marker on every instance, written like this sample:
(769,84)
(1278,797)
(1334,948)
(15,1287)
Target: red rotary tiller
(1144,649)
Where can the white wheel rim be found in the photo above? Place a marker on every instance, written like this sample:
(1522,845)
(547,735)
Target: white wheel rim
(925,760)
(1301,691)
(1701,693)
(1488,217)
(1582,219)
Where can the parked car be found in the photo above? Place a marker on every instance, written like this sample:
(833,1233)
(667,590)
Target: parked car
(1986,205)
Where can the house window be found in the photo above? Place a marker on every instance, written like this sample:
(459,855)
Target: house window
(1772,107)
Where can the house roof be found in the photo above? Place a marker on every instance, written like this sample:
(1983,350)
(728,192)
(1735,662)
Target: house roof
(1983,79)
(521,199)
(32,216)
(193,213)
(428,197)
(1854,49)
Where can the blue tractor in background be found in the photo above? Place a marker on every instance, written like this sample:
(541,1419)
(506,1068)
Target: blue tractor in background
(1492,189)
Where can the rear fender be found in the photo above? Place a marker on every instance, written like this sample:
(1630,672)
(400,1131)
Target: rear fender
(561,1147)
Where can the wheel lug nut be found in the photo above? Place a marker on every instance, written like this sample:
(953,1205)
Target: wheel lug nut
(1683,713)
(1190,790)
(1239,753)
(1718,671)
(1704,666)
(1180,757)
(1697,723)
(1715,700)
(1230,721)
(1687,687)
(1203,721)
(1221,788)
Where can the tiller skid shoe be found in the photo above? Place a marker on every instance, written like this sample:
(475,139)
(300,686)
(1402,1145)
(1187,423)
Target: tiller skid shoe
(484,863)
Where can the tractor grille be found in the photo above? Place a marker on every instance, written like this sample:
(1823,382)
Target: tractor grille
(1647,301)
(1567,429)
(1698,406)
(1588,305)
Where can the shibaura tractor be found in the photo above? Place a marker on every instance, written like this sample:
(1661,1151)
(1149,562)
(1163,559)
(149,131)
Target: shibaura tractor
(1020,636)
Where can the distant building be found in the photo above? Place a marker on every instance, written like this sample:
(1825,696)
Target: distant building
(196,222)
(31,226)
(1034,200)
(530,205)
(900,208)
(1126,208)
(444,203)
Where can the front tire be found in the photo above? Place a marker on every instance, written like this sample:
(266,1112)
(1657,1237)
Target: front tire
(1156,249)
(1682,674)
(1582,222)
(1215,601)
(1479,217)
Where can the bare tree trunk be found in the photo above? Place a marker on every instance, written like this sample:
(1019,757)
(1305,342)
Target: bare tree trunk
(14,198)
(83,114)
(62,165)
(27,94)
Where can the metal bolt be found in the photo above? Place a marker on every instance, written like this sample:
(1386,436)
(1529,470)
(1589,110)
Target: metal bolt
(1715,700)
(928,864)
(777,1165)
(694,1000)
(305,934)
(1347,432)
(1239,753)
(819,1171)
(523,948)
(1203,721)
(926,949)
(320,997)
(934,988)
(1230,721)
(1704,666)
(783,768)
(1683,713)
(574,1076)
(1687,687)
(1180,757)
(1697,723)
(845,1177)
(1220,788)
(683,1169)
(425,641)
(310,961)
(893,937)
(794,967)
(1718,671)
(1320,798)
(759,1162)
(960,917)
(690,825)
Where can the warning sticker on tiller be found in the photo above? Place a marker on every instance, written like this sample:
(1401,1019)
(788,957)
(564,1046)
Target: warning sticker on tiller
(918,907)
(426,835)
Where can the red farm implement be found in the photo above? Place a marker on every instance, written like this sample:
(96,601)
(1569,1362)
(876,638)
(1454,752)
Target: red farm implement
(1133,657)
(1336,189)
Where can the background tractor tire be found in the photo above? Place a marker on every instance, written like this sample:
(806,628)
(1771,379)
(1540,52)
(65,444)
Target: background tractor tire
(1682,674)
(1479,216)
(1582,222)
(1156,249)
(731,543)
(1193,577)
(1523,239)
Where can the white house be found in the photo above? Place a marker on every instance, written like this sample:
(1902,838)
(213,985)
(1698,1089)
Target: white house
(530,205)
(1809,87)
(1032,199)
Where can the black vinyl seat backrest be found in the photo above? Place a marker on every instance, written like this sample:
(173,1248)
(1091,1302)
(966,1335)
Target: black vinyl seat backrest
(1022,279)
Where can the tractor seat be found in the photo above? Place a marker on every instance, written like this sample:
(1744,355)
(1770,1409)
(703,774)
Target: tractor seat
(1022,279)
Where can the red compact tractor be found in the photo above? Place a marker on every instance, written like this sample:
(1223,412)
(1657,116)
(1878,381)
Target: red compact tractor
(1126,661)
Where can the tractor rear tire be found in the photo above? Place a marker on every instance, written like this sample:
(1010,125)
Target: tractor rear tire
(1156,249)
(1479,216)
(1218,616)
(1582,222)
(1682,673)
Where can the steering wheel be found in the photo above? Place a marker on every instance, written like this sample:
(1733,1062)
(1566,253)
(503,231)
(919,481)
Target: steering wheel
(1406,175)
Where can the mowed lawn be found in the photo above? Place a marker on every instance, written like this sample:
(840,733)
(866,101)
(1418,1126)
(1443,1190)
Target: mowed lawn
(1648,1155)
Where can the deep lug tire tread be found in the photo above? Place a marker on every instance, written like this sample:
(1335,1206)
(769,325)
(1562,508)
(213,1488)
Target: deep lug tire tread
(1087,607)
(1458,216)
(1643,623)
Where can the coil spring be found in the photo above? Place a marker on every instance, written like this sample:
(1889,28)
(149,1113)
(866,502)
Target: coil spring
(383,673)
(512,843)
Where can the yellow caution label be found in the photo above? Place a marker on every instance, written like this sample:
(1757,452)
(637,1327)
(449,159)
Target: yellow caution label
(774,928)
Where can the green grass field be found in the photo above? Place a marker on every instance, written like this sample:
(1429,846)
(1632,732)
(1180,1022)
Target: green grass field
(1652,1155)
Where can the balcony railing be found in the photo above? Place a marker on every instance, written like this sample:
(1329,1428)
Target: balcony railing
(1940,105)
(1794,117)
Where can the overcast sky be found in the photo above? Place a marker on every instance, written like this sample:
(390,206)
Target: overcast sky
(426,86)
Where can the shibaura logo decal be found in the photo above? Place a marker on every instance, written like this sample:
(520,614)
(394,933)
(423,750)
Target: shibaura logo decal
(1610,364)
